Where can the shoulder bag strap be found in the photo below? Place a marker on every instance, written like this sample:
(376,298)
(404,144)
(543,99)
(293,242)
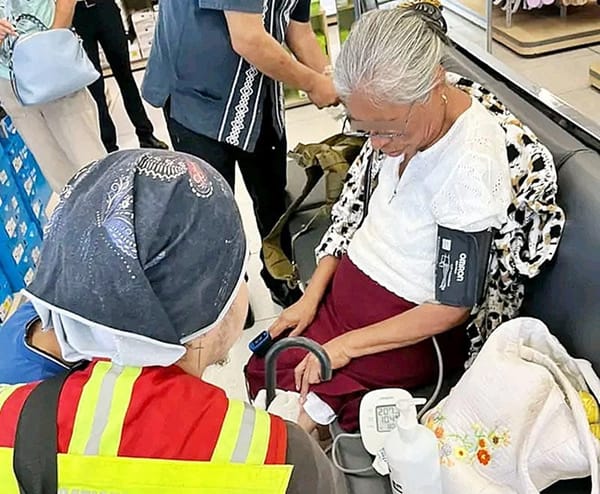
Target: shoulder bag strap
(35,450)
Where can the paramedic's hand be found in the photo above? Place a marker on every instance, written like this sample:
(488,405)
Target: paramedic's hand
(308,371)
(297,317)
(323,93)
(6,29)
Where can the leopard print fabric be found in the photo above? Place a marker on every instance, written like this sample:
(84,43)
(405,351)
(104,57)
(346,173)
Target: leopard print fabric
(526,242)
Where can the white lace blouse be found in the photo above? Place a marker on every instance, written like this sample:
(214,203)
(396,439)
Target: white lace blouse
(462,182)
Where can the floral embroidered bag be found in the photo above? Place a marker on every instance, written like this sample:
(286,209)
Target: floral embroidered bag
(521,418)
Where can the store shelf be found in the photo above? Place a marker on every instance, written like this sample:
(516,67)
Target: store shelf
(539,31)
(595,74)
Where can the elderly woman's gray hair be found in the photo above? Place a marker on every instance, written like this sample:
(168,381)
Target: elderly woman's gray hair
(391,56)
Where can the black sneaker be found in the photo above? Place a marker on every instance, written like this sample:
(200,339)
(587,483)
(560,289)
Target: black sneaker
(153,143)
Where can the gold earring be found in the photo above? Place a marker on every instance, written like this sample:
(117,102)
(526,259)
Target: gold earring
(445,99)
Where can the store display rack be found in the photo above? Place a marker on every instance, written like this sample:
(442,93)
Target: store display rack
(537,31)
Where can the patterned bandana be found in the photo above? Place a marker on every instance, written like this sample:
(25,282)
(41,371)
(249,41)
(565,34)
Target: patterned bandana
(144,245)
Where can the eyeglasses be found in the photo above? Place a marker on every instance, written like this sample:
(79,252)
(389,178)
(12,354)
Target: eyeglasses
(376,134)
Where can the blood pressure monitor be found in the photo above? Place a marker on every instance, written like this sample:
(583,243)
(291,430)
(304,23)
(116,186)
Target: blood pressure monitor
(378,415)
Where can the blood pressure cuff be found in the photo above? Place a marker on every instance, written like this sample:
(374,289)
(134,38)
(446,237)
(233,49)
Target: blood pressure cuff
(461,267)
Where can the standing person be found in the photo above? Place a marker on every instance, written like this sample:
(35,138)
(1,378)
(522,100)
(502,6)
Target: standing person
(63,134)
(99,21)
(165,237)
(216,67)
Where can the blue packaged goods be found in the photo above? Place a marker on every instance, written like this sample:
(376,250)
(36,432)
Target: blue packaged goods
(6,298)
(26,173)
(7,131)
(19,256)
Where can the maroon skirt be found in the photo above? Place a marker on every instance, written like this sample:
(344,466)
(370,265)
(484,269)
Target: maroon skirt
(354,301)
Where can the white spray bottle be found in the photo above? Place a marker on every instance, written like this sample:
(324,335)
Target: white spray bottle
(411,451)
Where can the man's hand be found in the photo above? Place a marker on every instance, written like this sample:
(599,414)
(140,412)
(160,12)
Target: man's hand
(6,29)
(308,371)
(323,93)
(251,41)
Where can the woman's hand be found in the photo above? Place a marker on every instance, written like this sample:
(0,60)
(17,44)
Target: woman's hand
(297,316)
(6,29)
(308,371)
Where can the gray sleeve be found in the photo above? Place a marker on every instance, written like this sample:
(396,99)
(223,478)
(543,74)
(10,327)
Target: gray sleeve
(247,6)
(313,472)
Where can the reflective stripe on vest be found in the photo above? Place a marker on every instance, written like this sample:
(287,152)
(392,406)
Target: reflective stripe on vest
(101,412)
(244,436)
(92,464)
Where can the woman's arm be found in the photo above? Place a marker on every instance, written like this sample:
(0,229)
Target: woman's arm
(321,279)
(408,328)
(303,312)
(405,329)
(63,16)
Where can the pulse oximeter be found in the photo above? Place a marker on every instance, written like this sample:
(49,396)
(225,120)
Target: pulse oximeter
(261,344)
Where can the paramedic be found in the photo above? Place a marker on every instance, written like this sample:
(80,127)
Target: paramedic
(141,275)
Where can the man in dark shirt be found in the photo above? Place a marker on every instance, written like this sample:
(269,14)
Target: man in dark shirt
(217,68)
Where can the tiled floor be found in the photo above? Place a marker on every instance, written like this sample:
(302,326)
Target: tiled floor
(565,74)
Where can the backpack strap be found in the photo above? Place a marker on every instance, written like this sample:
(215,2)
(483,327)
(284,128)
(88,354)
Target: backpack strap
(36,441)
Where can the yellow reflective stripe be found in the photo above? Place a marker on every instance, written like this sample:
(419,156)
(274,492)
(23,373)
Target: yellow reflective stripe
(121,475)
(84,419)
(121,398)
(6,391)
(8,482)
(260,439)
(229,432)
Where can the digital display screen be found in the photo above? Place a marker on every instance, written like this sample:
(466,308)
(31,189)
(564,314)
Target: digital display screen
(386,417)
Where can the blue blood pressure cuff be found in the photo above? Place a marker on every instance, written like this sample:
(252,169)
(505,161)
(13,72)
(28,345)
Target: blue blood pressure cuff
(461,266)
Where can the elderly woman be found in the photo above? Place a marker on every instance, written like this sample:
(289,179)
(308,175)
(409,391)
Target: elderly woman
(142,275)
(371,301)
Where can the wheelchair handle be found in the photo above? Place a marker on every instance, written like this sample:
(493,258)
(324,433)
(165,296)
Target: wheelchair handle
(293,342)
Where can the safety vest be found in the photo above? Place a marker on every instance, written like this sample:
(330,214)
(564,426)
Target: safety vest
(125,430)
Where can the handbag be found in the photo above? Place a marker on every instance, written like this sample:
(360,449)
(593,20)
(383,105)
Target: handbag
(48,64)
(516,423)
